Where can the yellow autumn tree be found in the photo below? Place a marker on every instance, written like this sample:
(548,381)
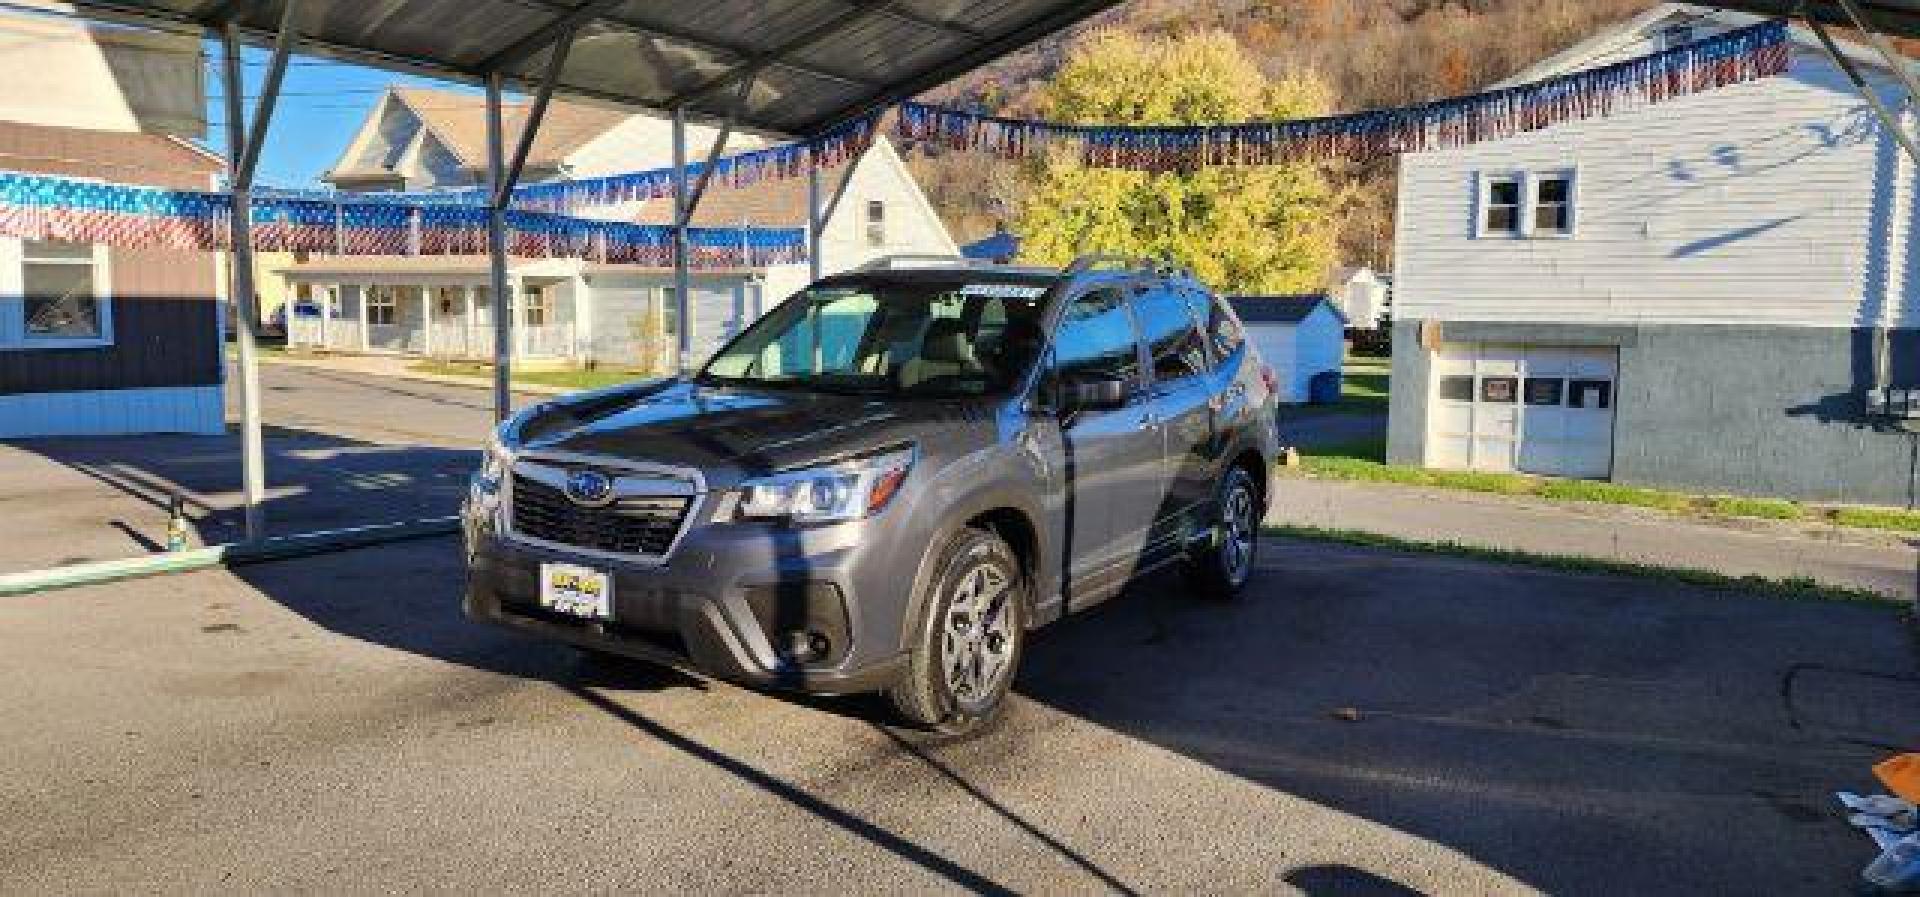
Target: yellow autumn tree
(1244,229)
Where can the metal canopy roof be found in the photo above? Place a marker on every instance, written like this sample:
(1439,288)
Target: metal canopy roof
(814,63)
(1899,18)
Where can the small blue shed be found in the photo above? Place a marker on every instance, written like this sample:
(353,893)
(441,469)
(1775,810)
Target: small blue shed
(1298,335)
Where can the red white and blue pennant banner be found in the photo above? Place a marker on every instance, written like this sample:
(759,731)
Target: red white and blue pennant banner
(41,207)
(841,144)
(1745,54)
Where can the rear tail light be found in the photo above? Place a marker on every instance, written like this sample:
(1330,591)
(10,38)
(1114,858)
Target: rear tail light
(1267,377)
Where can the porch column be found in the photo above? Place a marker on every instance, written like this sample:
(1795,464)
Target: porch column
(426,319)
(325,292)
(466,319)
(581,320)
(366,334)
(517,310)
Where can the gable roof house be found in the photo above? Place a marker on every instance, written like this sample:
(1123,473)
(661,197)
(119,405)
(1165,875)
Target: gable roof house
(1705,293)
(568,311)
(100,340)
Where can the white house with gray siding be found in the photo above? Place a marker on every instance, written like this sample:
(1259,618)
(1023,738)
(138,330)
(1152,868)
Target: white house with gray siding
(1699,294)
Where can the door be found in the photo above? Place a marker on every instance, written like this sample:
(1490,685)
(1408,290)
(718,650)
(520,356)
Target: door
(1182,392)
(1544,410)
(1109,455)
(1566,423)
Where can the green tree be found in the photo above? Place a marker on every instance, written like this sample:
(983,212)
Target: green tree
(1242,228)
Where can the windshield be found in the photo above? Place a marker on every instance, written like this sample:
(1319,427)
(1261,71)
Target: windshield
(924,339)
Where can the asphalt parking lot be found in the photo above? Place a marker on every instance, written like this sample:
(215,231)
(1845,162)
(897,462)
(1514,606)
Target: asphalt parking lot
(332,724)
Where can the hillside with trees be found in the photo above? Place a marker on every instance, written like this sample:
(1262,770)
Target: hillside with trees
(1330,55)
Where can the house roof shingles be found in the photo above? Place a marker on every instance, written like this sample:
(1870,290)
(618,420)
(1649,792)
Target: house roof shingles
(459,122)
(1286,309)
(775,202)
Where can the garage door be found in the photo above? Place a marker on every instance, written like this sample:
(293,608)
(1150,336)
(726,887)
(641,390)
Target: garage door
(1534,409)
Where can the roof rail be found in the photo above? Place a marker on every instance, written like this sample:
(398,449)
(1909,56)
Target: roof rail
(918,260)
(1087,263)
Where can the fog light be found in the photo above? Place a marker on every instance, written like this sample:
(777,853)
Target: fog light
(807,646)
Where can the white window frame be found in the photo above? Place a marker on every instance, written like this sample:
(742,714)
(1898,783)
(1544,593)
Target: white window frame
(13,301)
(1529,196)
(1483,203)
(1531,225)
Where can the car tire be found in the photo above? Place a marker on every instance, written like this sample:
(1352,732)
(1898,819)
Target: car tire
(1221,569)
(968,642)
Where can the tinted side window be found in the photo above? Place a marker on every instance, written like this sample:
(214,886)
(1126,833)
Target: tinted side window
(1223,331)
(1170,334)
(1096,340)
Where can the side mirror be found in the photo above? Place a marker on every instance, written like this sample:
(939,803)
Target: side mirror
(1103,394)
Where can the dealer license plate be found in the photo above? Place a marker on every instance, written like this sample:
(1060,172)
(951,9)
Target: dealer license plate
(577,591)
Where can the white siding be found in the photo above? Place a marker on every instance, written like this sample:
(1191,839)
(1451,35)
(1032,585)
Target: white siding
(1298,351)
(1774,202)
(64,73)
(912,226)
(620,304)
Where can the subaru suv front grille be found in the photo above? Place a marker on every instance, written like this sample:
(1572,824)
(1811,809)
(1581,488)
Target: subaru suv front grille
(631,525)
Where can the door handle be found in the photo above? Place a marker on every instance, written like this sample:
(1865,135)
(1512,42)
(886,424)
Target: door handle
(1149,420)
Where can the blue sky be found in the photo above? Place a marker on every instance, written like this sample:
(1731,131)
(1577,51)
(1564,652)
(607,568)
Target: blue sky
(322,103)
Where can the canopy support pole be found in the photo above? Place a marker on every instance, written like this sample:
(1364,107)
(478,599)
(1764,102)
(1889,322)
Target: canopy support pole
(813,219)
(502,177)
(686,199)
(682,273)
(497,256)
(243,158)
(840,190)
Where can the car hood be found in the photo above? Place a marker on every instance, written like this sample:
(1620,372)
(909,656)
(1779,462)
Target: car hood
(730,432)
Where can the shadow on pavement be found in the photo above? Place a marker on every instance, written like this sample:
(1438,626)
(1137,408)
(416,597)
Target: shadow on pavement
(1580,734)
(97,498)
(1345,881)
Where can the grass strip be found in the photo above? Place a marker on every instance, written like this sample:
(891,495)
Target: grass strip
(1879,518)
(1363,462)
(1794,587)
(564,379)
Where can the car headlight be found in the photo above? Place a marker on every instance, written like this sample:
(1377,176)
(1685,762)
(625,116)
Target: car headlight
(837,492)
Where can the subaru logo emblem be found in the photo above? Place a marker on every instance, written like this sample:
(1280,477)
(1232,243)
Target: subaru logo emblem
(590,488)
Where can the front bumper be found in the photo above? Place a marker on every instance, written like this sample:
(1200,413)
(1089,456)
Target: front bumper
(725,605)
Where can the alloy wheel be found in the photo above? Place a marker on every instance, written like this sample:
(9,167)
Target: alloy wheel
(1240,529)
(977,640)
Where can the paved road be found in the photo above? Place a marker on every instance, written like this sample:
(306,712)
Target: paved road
(332,724)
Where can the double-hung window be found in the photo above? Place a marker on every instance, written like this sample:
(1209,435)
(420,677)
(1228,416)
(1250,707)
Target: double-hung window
(876,223)
(58,298)
(1500,205)
(1552,198)
(1536,204)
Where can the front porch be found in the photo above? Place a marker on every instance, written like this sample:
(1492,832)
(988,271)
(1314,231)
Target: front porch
(433,314)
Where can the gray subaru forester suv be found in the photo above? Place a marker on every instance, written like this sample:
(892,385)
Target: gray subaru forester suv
(887,480)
